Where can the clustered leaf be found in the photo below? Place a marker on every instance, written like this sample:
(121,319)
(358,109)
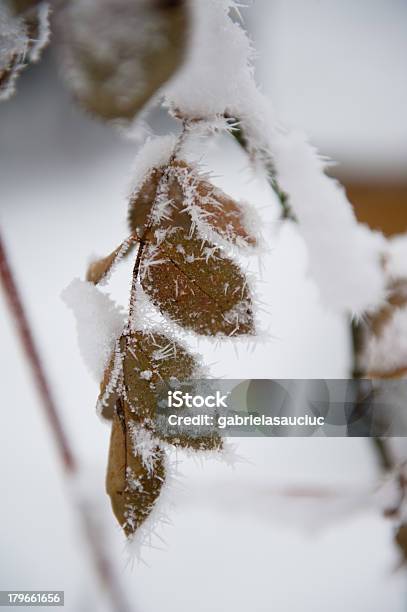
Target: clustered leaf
(140,365)
(188,277)
(218,210)
(191,281)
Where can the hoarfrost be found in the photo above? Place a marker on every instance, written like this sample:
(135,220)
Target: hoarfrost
(155,153)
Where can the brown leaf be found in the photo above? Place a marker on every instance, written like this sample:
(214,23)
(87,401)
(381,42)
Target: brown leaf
(98,270)
(197,286)
(150,363)
(134,478)
(149,359)
(118,53)
(215,208)
(132,485)
(187,278)
(222,213)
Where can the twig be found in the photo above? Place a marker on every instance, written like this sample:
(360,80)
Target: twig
(102,564)
(239,135)
(380,445)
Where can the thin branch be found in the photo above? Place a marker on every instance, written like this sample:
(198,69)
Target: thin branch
(380,445)
(102,564)
(239,135)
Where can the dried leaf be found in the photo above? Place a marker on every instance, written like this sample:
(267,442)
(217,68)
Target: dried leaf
(185,186)
(100,269)
(135,472)
(151,363)
(187,278)
(221,212)
(117,53)
(148,360)
(197,286)
(139,374)
(132,486)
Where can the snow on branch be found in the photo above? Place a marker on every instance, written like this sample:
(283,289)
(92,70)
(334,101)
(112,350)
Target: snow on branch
(218,80)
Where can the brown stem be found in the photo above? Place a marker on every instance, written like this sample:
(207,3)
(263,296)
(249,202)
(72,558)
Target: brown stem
(380,445)
(102,565)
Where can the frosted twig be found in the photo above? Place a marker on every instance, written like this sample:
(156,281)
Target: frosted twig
(240,137)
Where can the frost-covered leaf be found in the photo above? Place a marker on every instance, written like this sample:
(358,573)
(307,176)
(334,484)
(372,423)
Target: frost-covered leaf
(100,269)
(118,53)
(187,190)
(193,283)
(148,359)
(141,368)
(223,214)
(133,485)
(22,40)
(141,364)
(188,277)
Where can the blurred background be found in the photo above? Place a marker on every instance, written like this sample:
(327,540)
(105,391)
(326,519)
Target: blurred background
(335,70)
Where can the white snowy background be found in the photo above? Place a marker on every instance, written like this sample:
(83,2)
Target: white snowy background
(337,71)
